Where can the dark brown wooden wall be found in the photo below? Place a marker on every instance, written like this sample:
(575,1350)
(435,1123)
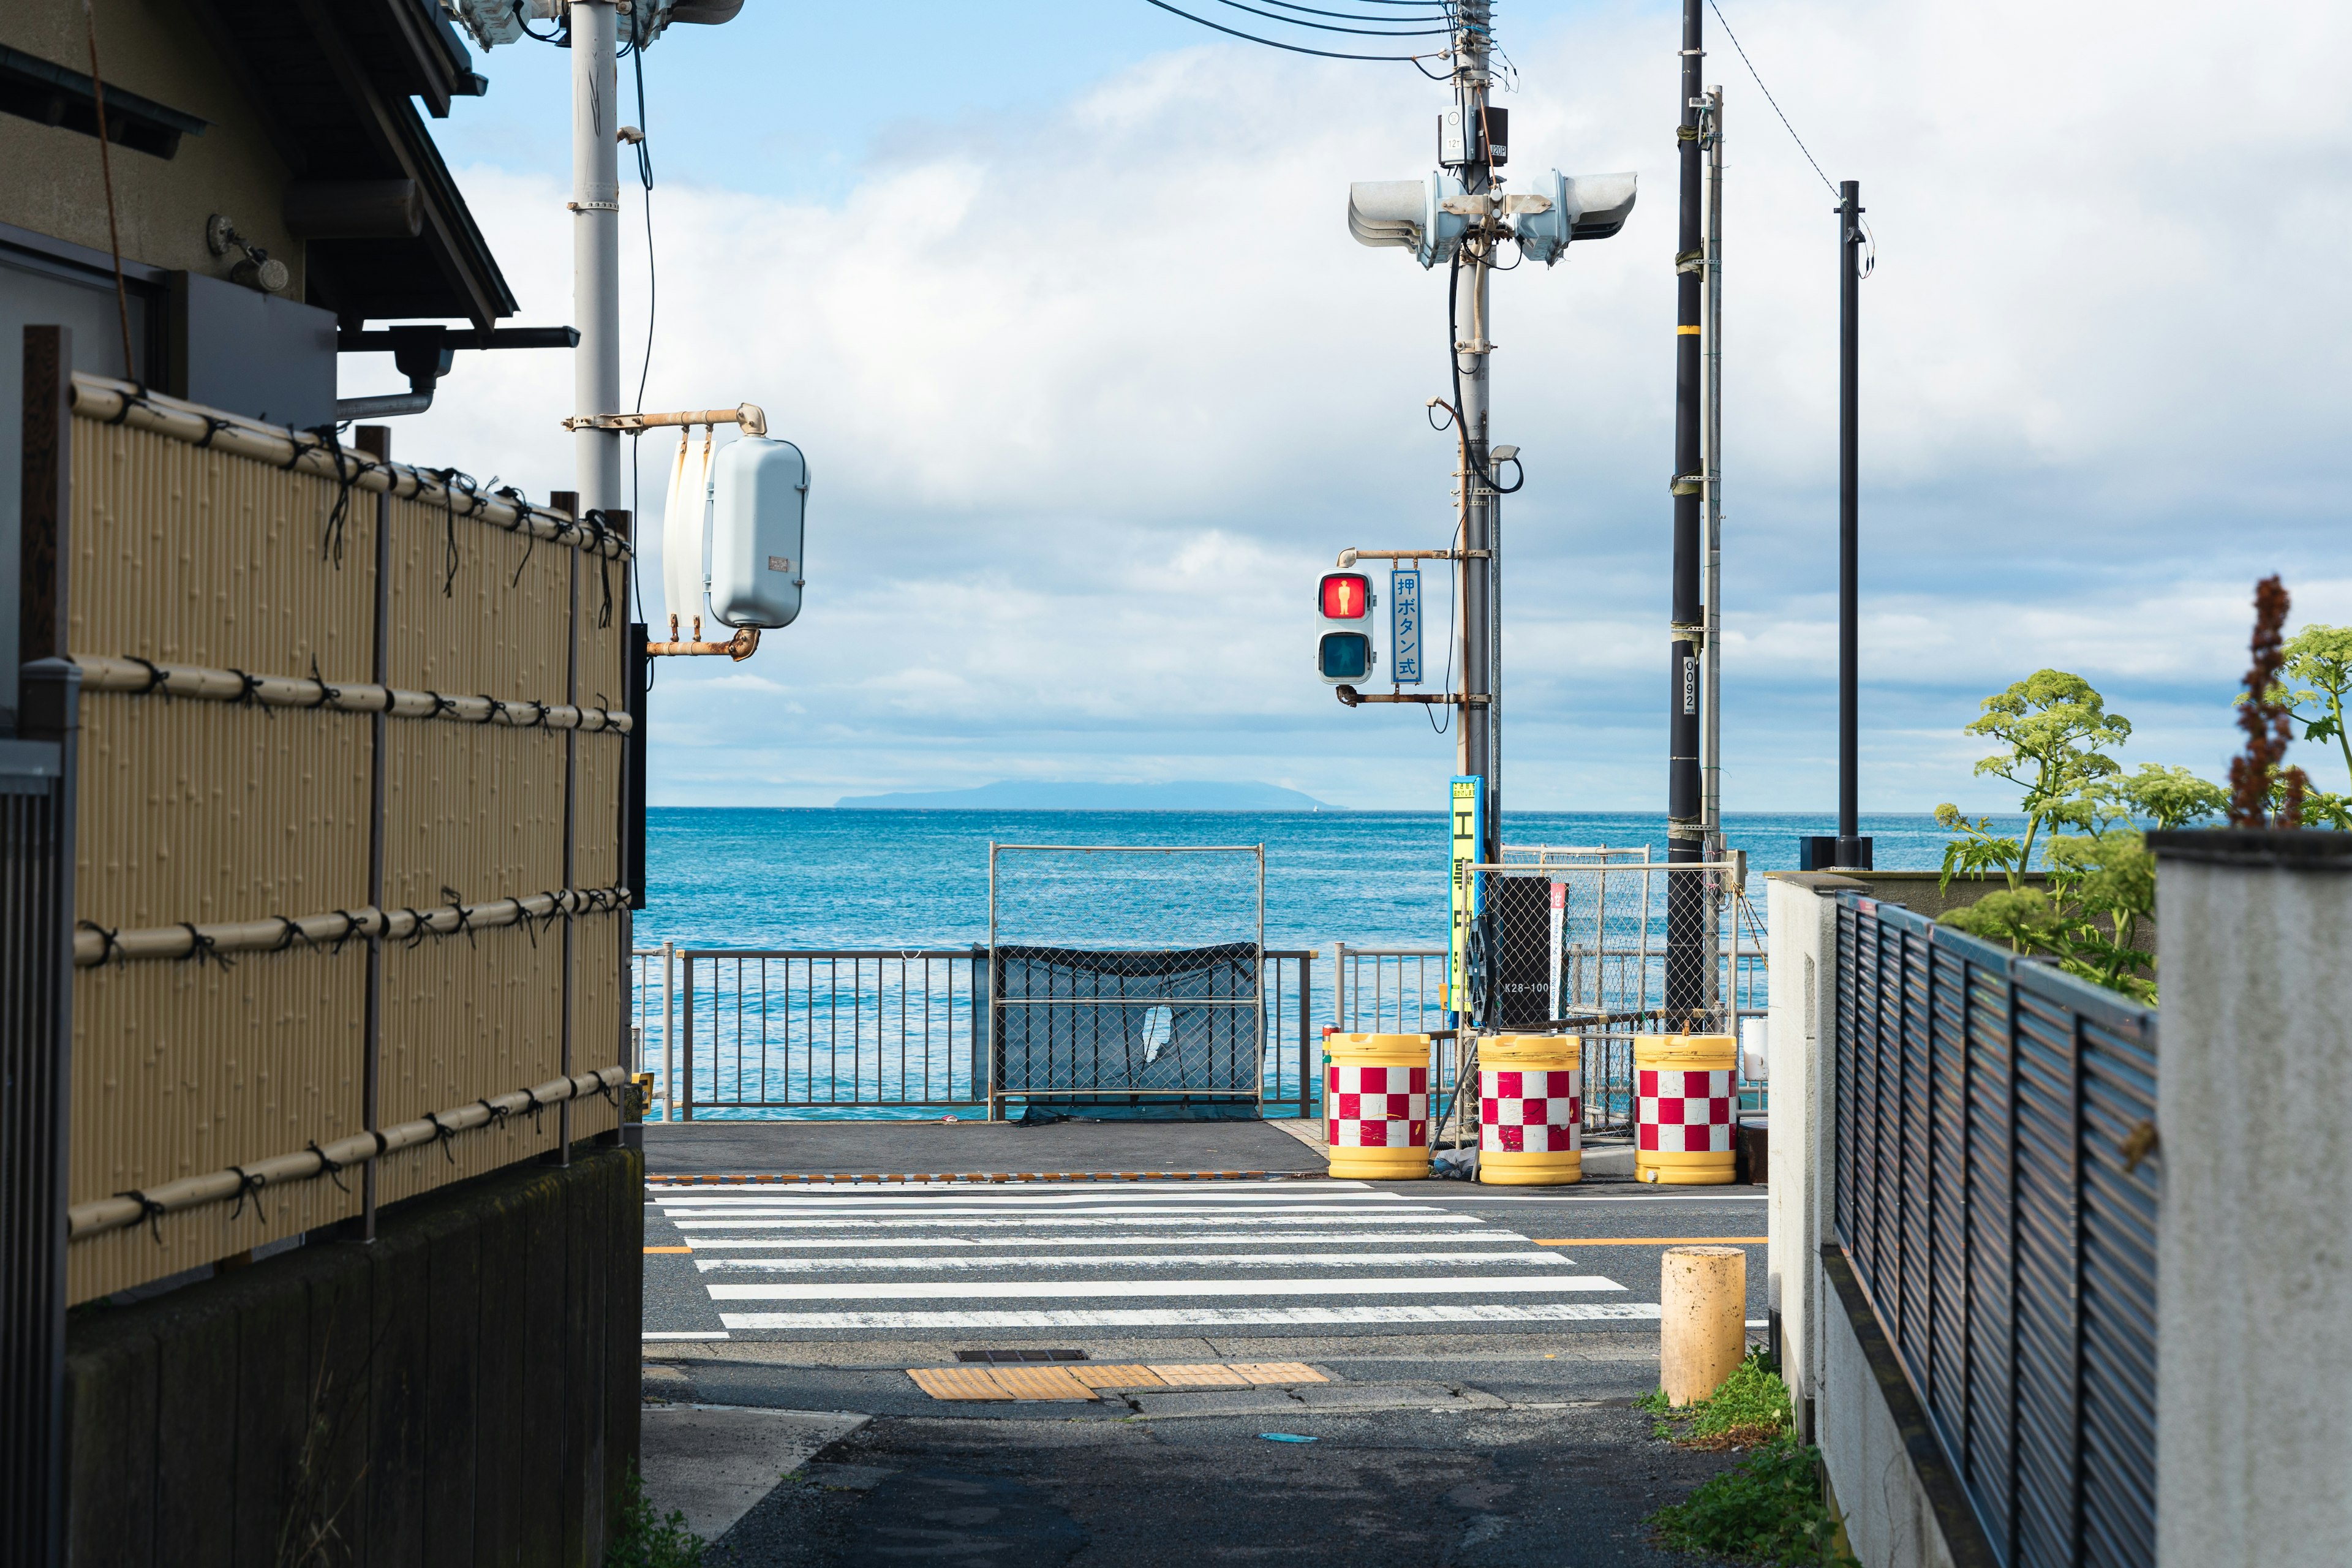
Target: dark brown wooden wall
(464,1390)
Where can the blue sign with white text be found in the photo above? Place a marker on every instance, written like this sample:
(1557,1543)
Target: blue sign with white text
(1404,624)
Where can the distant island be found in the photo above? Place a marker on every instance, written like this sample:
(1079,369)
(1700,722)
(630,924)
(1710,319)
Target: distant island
(1022,794)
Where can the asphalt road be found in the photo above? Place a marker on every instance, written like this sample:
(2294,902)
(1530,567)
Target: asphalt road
(1474,1352)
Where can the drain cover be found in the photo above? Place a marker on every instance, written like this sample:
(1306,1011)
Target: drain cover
(1002,1358)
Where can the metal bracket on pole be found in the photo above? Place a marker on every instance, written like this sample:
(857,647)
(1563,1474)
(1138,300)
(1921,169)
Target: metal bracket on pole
(1351,698)
(739,648)
(749,416)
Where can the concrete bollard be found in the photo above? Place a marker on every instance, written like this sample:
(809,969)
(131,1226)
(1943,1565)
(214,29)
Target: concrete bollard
(1703,1336)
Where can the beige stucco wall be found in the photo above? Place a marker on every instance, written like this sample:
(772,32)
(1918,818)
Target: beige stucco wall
(152,48)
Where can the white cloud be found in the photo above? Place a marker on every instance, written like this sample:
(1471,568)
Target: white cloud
(1092,391)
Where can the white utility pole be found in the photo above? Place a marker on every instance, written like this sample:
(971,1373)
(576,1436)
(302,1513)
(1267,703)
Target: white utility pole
(595,208)
(1481,722)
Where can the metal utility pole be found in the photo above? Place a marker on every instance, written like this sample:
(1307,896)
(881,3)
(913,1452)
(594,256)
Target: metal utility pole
(595,251)
(1852,849)
(1688,962)
(1482,731)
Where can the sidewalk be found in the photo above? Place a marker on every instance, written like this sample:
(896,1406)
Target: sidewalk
(1438,1449)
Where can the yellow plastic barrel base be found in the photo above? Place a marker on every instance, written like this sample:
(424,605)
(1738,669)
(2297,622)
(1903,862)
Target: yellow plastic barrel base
(1391,1163)
(1686,1053)
(1528,1167)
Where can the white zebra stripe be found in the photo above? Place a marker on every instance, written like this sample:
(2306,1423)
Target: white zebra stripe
(1007,1290)
(1227,1238)
(1202,1317)
(1141,1260)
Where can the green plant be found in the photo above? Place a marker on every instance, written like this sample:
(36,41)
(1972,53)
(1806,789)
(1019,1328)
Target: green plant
(2054,725)
(641,1538)
(2100,882)
(1752,1406)
(1766,1508)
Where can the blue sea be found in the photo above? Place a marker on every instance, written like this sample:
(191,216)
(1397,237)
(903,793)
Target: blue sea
(827,878)
(820,1034)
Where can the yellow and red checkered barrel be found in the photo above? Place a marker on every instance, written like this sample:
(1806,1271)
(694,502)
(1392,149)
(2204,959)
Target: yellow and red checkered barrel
(1530,1110)
(1685,1108)
(1376,1105)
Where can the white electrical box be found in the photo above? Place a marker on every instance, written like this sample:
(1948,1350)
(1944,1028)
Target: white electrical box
(1453,138)
(758,492)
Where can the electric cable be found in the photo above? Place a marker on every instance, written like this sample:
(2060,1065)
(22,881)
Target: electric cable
(1326,28)
(1767,92)
(1278,44)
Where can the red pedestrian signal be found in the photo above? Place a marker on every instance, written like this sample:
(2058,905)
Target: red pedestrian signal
(1345,596)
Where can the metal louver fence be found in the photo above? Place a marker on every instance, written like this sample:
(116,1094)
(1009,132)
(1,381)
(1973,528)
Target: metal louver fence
(1997,1198)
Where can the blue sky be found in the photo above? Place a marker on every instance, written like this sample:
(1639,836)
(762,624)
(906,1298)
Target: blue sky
(1059,300)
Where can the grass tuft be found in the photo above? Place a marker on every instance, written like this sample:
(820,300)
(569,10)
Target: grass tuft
(642,1539)
(1768,1509)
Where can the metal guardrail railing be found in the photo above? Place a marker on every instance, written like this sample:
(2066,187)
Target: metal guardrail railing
(1996,1194)
(773,1032)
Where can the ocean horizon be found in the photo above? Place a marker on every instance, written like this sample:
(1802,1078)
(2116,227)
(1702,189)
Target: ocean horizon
(830,878)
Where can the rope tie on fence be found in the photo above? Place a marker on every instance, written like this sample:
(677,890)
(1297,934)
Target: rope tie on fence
(449,477)
(418,932)
(301,449)
(214,425)
(442,1133)
(464,916)
(498,1113)
(156,679)
(202,947)
(540,711)
(492,707)
(331,543)
(250,693)
(326,693)
(529,536)
(287,931)
(150,1211)
(351,929)
(538,1120)
(599,533)
(248,1185)
(442,704)
(113,946)
(331,1167)
(135,399)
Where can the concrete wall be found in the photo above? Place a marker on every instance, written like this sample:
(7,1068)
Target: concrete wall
(463,1390)
(2254,1275)
(1802,916)
(154,48)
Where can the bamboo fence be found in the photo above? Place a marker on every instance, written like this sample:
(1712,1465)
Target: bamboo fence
(350,760)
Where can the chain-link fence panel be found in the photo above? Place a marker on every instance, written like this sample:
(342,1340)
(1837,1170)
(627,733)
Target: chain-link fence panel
(1128,978)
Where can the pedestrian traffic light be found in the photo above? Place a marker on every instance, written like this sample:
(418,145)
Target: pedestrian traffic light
(1563,207)
(1343,604)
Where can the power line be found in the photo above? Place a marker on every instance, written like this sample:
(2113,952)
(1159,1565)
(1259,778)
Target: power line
(1829,183)
(1275,43)
(1344,16)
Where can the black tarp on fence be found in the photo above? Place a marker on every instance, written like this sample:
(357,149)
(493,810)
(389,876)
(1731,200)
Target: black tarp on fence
(1089,1029)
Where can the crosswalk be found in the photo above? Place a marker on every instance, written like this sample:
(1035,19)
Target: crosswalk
(914,1258)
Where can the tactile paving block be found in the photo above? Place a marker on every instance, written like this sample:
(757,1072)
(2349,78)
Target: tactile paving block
(957,1382)
(1040,1383)
(1200,1376)
(1278,1372)
(1116,1376)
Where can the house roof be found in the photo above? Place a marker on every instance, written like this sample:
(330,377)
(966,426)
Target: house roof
(337,83)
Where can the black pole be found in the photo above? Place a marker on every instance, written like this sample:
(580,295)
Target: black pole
(1852,849)
(1686,923)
